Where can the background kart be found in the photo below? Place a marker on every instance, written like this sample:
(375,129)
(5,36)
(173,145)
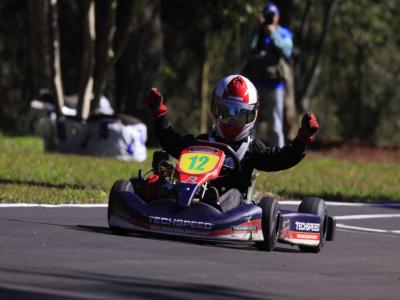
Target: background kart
(186,210)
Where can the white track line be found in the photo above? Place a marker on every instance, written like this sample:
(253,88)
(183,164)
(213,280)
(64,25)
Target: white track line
(335,203)
(283,202)
(20,205)
(367,229)
(343,226)
(363,217)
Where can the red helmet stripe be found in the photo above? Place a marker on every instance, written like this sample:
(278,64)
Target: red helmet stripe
(237,90)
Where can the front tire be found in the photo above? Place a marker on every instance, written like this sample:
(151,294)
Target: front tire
(269,223)
(315,206)
(118,186)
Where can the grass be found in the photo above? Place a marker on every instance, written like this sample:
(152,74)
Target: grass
(333,179)
(29,175)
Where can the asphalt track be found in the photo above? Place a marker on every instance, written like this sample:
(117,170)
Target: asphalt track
(69,253)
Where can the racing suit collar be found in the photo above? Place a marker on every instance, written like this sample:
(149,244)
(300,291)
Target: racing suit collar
(240,147)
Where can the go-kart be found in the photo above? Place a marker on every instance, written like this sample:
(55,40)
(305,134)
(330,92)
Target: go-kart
(186,209)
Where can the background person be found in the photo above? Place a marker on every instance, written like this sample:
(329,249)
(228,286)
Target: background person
(271,48)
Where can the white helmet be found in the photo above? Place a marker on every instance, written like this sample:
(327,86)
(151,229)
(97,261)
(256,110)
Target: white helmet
(234,108)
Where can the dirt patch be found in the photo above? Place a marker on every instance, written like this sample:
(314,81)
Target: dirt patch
(356,152)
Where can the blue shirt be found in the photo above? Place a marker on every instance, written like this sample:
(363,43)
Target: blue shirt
(280,39)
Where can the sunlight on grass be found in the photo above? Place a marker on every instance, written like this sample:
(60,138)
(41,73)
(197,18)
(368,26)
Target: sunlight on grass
(27,174)
(336,180)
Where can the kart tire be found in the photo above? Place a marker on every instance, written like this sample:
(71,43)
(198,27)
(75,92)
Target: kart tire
(315,206)
(118,186)
(269,223)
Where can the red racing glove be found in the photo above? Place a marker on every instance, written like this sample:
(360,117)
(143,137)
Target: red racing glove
(155,102)
(309,126)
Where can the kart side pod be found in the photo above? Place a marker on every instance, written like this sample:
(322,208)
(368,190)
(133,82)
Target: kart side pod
(305,229)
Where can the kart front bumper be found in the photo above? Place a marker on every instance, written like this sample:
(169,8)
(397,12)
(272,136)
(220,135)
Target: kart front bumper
(200,220)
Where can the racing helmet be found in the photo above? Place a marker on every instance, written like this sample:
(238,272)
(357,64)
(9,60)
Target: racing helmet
(234,108)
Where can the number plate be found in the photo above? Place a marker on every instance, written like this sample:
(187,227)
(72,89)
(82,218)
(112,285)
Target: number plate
(198,163)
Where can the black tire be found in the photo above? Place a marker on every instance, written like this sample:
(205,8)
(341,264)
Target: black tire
(315,206)
(269,223)
(118,186)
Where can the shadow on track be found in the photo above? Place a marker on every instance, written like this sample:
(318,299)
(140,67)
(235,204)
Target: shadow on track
(220,244)
(87,285)
(246,246)
(15,293)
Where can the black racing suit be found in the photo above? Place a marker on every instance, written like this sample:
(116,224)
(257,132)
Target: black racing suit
(258,156)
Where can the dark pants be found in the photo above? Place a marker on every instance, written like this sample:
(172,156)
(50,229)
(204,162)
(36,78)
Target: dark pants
(230,199)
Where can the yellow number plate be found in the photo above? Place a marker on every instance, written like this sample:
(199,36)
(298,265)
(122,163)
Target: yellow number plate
(198,163)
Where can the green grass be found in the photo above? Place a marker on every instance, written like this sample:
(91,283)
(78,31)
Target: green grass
(29,175)
(338,180)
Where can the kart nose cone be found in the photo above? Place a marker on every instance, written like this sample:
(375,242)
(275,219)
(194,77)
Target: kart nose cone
(186,194)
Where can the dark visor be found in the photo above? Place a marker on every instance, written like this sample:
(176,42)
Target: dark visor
(234,112)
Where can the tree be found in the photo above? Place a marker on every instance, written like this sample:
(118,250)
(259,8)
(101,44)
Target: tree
(358,90)
(210,38)
(39,34)
(345,59)
(137,69)
(98,55)
(113,39)
(85,90)
(56,58)
(15,65)
(311,75)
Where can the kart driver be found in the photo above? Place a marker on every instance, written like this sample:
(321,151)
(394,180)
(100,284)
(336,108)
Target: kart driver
(234,113)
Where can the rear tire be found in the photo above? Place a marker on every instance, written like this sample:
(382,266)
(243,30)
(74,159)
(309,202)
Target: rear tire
(118,186)
(315,206)
(269,223)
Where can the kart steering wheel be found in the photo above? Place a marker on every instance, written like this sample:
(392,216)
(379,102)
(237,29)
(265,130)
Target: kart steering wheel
(227,150)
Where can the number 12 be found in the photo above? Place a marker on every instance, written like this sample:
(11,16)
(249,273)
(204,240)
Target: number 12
(200,161)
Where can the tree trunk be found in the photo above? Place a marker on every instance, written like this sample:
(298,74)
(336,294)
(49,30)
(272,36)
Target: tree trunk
(205,91)
(105,30)
(56,57)
(312,77)
(137,67)
(291,122)
(40,56)
(86,82)
(123,36)
(122,32)
(286,11)
(304,25)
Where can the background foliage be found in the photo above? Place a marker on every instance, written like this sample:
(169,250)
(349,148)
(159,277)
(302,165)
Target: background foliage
(356,94)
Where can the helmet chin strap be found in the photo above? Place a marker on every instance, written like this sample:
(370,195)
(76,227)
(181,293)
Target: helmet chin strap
(241,151)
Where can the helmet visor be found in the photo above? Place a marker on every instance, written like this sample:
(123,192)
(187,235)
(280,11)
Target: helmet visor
(234,112)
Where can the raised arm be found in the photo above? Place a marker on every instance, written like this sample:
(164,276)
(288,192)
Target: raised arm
(170,140)
(275,158)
